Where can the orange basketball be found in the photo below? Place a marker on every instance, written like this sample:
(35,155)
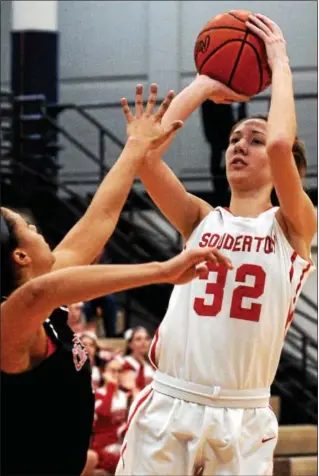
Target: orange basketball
(227,51)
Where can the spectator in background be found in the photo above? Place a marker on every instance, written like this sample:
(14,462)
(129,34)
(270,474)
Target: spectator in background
(217,120)
(76,317)
(103,307)
(111,411)
(136,362)
(89,340)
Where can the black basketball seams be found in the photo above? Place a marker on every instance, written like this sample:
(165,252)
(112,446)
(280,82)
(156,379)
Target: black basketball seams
(236,17)
(260,67)
(237,59)
(215,50)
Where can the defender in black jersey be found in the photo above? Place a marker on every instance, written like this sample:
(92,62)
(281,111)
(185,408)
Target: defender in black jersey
(46,392)
(47,412)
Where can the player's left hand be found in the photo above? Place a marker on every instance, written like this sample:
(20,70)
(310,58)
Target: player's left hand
(145,126)
(268,31)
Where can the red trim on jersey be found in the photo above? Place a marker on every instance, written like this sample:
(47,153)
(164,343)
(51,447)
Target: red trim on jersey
(122,452)
(292,259)
(138,404)
(289,318)
(128,366)
(291,310)
(51,348)
(304,271)
(152,353)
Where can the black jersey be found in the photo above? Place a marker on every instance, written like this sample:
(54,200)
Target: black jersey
(47,412)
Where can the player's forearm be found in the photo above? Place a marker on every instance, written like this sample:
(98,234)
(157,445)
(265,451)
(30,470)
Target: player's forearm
(282,124)
(168,193)
(186,102)
(183,105)
(163,186)
(86,239)
(84,283)
(112,193)
(34,301)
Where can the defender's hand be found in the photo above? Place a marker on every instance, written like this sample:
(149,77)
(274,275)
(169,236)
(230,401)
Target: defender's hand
(191,264)
(146,125)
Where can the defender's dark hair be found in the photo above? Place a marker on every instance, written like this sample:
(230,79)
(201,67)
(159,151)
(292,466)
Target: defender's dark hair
(8,243)
(298,148)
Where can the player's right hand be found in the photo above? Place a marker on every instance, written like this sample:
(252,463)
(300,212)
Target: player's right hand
(191,264)
(217,92)
(146,126)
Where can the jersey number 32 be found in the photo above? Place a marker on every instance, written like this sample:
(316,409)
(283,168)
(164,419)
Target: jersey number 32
(237,311)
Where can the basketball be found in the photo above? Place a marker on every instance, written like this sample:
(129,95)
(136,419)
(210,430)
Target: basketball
(226,50)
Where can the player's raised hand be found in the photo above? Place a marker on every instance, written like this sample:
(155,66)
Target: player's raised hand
(191,264)
(146,125)
(272,36)
(217,92)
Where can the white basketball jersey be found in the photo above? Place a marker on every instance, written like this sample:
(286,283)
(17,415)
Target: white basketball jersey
(228,329)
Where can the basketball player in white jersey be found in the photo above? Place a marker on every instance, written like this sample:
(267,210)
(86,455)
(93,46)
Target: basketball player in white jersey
(218,347)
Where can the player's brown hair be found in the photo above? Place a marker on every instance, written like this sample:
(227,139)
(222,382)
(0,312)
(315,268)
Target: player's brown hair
(298,148)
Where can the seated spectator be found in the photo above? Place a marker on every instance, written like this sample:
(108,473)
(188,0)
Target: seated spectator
(136,362)
(76,317)
(89,339)
(111,411)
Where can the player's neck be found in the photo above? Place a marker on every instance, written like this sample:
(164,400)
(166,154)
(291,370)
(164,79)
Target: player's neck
(249,204)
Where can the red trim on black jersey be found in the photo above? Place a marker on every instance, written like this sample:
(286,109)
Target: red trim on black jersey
(51,347)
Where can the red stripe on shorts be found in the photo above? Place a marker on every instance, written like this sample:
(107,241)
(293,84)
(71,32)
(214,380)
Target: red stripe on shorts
(138,404)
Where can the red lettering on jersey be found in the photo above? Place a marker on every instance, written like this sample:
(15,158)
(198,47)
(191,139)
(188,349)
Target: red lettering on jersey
(213,240)
(220,243)
(204,240)
(247,242)
(238,244)
(268,245)
(229,242)
(259,240)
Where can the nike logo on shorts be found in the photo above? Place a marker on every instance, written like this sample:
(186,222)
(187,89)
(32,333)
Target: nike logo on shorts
(264,440)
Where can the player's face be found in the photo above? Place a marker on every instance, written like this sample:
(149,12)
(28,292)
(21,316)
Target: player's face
(140,343)
(32,244)
(247,162)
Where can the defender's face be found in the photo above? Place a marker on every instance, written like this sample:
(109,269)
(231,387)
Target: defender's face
(32,244)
